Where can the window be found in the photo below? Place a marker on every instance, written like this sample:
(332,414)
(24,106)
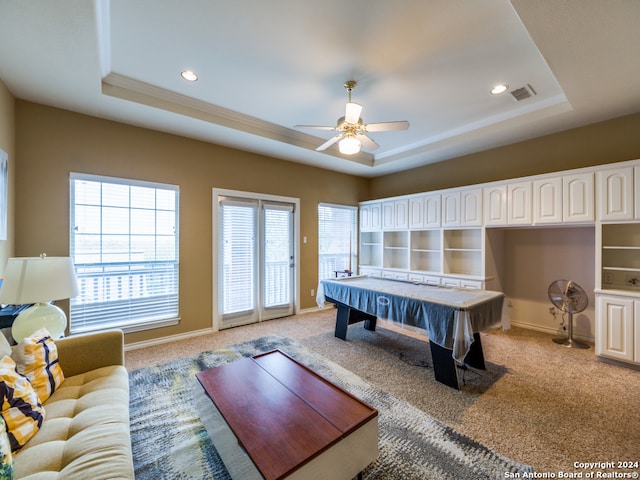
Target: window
(124,243)
(336,239)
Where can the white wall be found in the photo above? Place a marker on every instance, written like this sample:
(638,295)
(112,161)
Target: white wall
(533,259)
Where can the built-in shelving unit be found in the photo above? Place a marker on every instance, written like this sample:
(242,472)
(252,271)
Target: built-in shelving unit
(463,251)
(396,250)
(426,251)
(621,256)
(371,249)
(453,237)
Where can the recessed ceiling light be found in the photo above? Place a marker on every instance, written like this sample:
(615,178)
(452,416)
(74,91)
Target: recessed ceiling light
(189,75)
(498,89)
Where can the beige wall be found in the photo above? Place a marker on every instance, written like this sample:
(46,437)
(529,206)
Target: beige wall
(7,143)
(606,142)
(52,142)
(535,257)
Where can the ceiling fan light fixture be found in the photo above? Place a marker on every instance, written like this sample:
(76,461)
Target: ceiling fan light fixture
(352,113)
(349,145)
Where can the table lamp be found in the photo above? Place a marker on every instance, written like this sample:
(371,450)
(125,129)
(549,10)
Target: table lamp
(38,280)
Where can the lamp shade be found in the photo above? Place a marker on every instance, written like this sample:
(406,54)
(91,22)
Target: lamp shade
(38,279)
(349,145)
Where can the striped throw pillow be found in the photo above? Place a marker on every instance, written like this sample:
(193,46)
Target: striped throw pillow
(37,359)
(21,410)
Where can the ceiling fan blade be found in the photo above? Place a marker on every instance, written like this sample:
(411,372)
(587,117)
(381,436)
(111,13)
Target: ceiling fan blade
(329,142)
(315,127)
(386,126)
(367,143)
(352,113)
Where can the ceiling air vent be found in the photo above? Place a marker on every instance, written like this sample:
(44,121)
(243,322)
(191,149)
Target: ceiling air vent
(523,93)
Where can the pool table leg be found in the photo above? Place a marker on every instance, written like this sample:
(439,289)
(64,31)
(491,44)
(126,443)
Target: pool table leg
(347,316)
(444,366)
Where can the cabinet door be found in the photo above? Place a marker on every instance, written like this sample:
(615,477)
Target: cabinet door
(432,210)
(637,192)
(416,212)
(365,218)
(578,198)
(547,200)
(615,194)
(370,217)
(519,203)
(471,207)
(495,205)
(636,322)
(401,214)
(450,282)
(614,328)
(375,217)
(451,209)
(388,215)
(475,284)
(370,272)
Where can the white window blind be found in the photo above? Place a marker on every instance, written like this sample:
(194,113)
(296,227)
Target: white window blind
(124,243)
(239,255)
(336,239)
(278,255)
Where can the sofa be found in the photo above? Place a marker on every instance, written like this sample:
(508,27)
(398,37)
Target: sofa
(85,434)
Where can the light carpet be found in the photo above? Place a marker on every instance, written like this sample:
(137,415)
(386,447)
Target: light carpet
(169,441)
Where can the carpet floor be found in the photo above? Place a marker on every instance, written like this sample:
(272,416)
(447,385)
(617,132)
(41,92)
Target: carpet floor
(411,444)
(538,403)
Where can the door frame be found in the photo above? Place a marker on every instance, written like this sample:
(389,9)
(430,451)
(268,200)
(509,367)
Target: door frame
(215,247)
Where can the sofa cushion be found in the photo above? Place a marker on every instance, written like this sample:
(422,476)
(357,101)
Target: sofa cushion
(21,409)
(36,357)
(86,433)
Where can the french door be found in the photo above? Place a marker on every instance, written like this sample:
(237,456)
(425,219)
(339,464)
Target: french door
(256,258)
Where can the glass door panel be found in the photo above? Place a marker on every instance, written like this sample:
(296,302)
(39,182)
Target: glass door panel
(278,261)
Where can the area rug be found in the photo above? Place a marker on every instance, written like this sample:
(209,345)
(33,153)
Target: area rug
(170,442)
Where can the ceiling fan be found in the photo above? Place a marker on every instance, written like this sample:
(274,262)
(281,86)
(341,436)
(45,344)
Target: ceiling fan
(352,131)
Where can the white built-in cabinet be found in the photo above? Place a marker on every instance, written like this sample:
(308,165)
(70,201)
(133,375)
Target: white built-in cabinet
(451,209)
(547,200)
(371,217)
(395,214)
(495,205)
(578,198)
(519,198)
(462,208)
(616,194)
(618,331)
(636,183)
(424,211)
(618,263)
(441,237)
(471,207)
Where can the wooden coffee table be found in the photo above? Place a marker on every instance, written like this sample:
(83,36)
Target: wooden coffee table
(273,418)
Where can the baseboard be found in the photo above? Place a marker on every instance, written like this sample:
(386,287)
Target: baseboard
(316,309)
(196,333)
(550,331)
(167,339)
(618,363)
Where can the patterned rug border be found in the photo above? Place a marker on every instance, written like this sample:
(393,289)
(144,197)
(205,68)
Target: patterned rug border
(169,441)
